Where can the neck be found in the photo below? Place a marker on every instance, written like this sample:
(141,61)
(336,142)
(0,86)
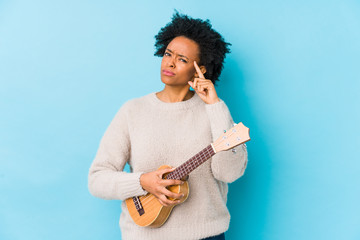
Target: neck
(175,94)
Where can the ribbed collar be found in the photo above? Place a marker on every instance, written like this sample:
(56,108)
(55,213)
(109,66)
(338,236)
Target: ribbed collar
(183,105)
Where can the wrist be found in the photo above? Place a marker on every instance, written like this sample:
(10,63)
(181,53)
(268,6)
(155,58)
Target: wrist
(141,180)
(216,100)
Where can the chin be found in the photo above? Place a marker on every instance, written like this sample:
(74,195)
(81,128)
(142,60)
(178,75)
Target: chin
(168,80)
(171,81)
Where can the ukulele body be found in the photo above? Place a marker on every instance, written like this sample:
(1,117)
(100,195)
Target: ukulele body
(155,214)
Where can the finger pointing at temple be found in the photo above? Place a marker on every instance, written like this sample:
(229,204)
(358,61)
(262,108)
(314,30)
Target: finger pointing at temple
(201,75)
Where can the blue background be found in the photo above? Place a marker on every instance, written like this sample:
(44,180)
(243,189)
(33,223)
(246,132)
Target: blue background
(293,78)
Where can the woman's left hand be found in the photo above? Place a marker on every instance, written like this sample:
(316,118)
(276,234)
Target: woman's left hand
(204,87)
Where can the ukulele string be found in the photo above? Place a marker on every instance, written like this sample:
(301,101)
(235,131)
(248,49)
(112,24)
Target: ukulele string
(143,199)
(146,199)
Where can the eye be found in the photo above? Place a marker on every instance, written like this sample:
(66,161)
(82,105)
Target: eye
(167,54)
(183,60)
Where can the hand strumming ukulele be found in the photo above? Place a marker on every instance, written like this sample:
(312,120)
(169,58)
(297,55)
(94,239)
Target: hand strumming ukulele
(146,211)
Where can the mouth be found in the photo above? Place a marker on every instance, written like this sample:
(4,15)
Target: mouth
(168,73)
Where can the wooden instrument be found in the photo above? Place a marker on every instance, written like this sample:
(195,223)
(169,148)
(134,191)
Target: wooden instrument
(147,211)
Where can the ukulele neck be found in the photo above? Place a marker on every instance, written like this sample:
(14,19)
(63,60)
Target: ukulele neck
(191,164)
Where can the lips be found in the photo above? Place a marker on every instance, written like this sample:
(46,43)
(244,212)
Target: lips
(168,73)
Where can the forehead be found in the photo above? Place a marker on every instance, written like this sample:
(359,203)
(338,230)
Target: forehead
(184,46)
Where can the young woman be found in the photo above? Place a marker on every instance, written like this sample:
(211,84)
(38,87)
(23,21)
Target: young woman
(167,128)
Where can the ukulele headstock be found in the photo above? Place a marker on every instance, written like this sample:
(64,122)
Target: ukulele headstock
(231,138)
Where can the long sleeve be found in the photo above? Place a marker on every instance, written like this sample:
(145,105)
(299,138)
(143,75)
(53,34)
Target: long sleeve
(227,166)
(106,178)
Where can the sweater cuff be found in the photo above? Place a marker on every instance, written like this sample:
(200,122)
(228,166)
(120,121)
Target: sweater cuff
(220,118)
(132,185)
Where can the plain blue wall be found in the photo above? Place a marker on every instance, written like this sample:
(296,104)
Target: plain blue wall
(292,77)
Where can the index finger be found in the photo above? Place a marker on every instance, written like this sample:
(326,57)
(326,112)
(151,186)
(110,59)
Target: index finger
(201,75)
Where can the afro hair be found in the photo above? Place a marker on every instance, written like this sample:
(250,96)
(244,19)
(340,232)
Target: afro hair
(213,47)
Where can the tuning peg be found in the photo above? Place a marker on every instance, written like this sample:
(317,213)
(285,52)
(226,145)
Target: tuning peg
(224,131)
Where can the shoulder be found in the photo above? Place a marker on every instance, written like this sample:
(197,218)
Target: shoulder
(136,104)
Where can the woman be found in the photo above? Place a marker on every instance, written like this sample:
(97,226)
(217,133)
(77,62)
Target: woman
(167,128)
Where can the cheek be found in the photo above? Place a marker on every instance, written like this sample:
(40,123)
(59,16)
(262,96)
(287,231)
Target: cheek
(190,72)
(162,61)
(186,70)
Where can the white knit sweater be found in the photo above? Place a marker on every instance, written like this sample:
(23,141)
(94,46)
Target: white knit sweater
(148,133)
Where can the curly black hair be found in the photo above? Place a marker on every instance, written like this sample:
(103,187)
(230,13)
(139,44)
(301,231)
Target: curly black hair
(213,47)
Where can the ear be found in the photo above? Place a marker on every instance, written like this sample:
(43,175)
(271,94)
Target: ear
(202,69)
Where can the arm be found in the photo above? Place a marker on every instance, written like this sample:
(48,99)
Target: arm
(226,166)
(106,178)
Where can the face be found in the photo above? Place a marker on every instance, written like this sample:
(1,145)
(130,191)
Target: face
(177,65)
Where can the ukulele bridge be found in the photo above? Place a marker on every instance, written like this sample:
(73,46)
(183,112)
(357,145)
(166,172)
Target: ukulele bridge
(138,205)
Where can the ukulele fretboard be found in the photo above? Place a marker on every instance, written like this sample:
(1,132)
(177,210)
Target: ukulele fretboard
(188,166)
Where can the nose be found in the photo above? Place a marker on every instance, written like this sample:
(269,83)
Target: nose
(171,62)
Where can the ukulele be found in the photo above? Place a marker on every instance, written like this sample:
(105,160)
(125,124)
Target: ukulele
(147,211)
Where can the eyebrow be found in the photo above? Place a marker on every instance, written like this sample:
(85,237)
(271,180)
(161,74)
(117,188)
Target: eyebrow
(178,54)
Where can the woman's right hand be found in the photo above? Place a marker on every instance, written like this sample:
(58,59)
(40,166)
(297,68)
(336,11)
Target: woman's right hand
(154,183)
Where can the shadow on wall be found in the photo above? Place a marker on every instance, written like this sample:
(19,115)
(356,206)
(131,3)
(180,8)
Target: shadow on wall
(248,198)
